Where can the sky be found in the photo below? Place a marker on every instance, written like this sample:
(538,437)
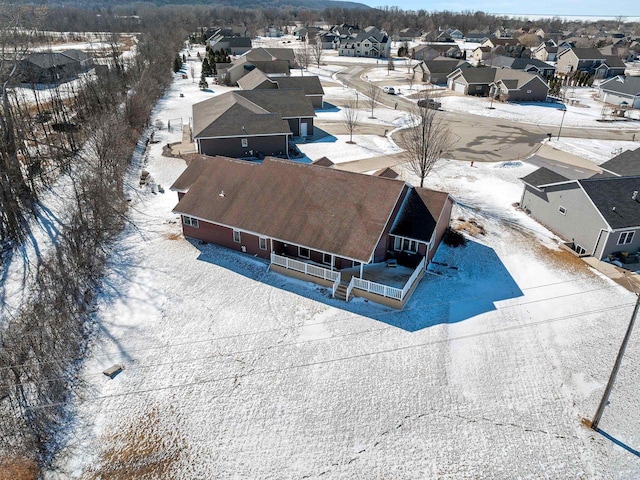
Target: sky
(540,8)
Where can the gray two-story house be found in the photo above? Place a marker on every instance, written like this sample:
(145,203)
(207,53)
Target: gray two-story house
(597,216)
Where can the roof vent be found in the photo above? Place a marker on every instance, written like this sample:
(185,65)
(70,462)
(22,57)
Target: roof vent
(634,195)
(221,194)
(613,209)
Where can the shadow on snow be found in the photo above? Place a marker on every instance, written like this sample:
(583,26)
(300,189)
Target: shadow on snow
(466,282)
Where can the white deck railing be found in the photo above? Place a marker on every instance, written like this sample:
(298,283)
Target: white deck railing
(385,290)
(414,276)
(336,284)
(377,288)
(306,268)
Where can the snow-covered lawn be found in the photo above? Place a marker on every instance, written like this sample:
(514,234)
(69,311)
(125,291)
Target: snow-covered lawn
(336,148)
(585,113)
(598,151)
(233,371)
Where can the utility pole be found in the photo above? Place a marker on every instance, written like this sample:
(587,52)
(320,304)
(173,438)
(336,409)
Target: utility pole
(614,373)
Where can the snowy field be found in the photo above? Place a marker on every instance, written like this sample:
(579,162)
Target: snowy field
(585,113)
(233,371)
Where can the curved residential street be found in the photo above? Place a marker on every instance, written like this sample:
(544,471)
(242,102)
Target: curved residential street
(480,138)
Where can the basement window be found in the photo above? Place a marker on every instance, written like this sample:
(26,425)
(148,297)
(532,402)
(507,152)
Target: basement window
(303,252)
(236,236)
(562,210)
(625,238)
(263,243)
(190,221)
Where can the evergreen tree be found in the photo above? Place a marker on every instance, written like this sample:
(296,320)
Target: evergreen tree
(206,68)
(177,64)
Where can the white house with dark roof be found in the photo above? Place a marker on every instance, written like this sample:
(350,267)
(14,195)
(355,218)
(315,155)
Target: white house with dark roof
(621,90)
(370,42)
(295,217)
(597,216)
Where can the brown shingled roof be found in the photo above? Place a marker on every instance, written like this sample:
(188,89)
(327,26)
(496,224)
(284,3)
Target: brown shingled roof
(323,162)
(296,203)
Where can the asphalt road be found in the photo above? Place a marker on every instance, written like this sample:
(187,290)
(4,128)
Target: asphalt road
(479,138)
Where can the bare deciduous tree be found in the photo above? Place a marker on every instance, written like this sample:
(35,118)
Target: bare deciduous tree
(411,78)
(373,93)
(316,52)
(302,57)
(426,140)
(351,117)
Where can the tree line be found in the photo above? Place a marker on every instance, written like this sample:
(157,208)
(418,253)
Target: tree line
(43,343)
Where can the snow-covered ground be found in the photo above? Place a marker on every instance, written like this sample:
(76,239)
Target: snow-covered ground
(598,151)
(586,112)
(233,371)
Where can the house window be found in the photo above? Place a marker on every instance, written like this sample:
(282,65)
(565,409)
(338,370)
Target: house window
(409,245)
(405,244)
(625,238)
(263,243)
(192,222)
(479,87)
(245,142)
(236,236)
(326,258)
(562,210)
(303,252)
(580,250)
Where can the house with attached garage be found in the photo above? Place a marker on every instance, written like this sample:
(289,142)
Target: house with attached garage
(620,90)
(355,234)
(506,84)
(519,86)
(257,80)
(436,71)
(251,123)
(597,216)
(531,65)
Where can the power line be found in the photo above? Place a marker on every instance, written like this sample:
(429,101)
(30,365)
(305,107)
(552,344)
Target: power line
(193,342)
(341,359)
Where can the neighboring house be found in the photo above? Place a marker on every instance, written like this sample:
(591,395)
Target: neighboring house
(507,84)
(530,65)
(471,81)
(295,216)
(436,71)
(271,61)
(328,40)
(478,36)
(546,53)
(481,54)
(610,67)
(53,67)
(251,123)
(369,42)
(596,216)
(408,34)
(431,51)
(307,34)
(272,32)
(619,90)
(589,60)
(311,85)
(519,86)
(231,45)
(242,66)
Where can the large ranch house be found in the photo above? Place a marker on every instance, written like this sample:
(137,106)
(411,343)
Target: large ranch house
(356,234)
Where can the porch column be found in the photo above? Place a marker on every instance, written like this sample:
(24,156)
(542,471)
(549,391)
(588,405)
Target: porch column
(361,268)
(333,259)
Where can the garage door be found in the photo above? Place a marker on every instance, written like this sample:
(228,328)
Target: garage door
(459,87)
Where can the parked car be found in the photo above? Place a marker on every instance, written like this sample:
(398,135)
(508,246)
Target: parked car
(389,90)
(429,103)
